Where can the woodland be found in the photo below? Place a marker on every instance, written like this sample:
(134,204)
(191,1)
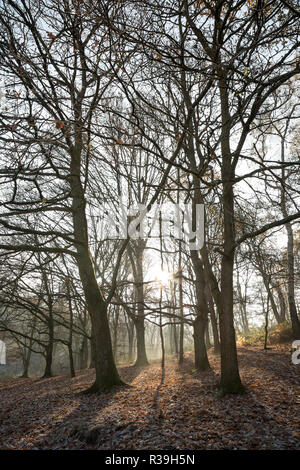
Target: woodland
(149,225)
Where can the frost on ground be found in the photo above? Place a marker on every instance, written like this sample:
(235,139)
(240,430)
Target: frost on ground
(179,410)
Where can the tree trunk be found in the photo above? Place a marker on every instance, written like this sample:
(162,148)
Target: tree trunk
(92,353)
(106,372)
(207,337)
(180,289)
(130,331)
(71,361)
(141,356)
(230,377)
(266,324)
(181,325)
(200,323)
(130,347)
(49,348)
(27,351)
(281,304)
(162,341)
(290,254)
(175,339)
(213,319)
(115,322)
(291,284)
(201,360)
(83,354)
(70,342)
(48,358)
(266,279)
(139,321)
(26,363)
(243,304)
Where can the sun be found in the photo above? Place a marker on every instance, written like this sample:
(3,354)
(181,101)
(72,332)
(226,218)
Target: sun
(154,273)
(162,276)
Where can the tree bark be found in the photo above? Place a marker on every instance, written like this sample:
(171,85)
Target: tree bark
(49,358)
(49,347)
(70,342)
(282,304)
(106,372)
(200,323)
(71,361)
(92,353)
(136,258)
(267,283)
(230,377)
(141,356)
(201,360)
(207,337)
(130,332)
(175,339)
(181,325)
(26,363)
(213,319)
(83,354)
(290,254)
(27,351)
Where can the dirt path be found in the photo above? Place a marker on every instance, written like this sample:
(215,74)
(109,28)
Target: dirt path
(183,412)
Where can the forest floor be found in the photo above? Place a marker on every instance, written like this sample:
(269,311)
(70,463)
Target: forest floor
(177,410)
